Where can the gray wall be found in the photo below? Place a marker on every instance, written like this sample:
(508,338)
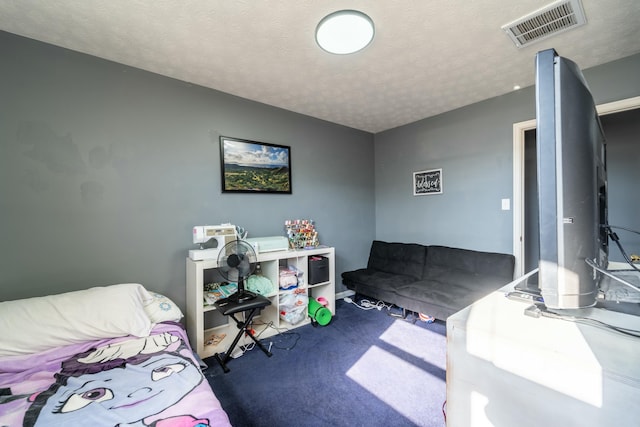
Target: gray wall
(474,147)
(105,168)
(623,156)
(622,131)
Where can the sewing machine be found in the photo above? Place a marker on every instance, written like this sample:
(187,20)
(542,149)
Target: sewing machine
(211,239)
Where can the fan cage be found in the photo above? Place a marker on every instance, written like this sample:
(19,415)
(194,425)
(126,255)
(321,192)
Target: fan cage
(239,247)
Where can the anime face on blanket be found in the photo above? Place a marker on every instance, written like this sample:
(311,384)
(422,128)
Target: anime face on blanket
(119,384)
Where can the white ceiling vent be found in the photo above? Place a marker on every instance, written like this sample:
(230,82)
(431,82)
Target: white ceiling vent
(553,19)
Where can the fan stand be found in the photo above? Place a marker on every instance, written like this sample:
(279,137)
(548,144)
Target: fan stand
(242,295)
(240,256)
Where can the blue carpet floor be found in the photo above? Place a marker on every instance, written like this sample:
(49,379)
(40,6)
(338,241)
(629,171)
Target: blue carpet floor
(365,368)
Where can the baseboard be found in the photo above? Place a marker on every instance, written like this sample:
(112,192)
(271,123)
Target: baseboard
(343,294)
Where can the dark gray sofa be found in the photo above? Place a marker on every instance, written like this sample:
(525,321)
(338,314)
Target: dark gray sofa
(435,280)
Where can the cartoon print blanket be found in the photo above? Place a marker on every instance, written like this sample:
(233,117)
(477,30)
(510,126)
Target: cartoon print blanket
(151,381)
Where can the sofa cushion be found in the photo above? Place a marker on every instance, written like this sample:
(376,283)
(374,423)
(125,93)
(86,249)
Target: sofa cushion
(443,262)
(406,259)
(442,299)
(375,284)
(367,276)
(455,290)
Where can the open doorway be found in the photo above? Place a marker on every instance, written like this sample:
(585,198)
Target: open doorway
(623,193)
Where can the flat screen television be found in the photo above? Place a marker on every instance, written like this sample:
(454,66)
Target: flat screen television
(572,185)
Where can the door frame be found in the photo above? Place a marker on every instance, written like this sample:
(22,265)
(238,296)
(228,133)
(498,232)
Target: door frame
(519,130)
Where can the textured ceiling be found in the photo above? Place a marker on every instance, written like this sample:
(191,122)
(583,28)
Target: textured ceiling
(428,56)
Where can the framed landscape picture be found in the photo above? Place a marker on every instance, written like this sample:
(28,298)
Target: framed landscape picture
(254,167)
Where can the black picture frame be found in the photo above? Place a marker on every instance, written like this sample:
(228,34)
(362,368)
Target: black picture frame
(427,182)
(254,167)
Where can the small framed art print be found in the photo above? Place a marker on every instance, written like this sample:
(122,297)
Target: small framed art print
(427,182)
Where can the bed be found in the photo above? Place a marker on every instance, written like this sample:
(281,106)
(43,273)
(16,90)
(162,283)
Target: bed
(105,356)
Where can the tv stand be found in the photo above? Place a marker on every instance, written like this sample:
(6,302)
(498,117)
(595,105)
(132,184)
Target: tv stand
(508,368)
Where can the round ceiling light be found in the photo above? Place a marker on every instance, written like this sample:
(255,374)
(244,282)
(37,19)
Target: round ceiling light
(344,32)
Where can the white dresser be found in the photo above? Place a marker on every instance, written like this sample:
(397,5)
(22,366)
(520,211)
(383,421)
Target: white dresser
(508,369)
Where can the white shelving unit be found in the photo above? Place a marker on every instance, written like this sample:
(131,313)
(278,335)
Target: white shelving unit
(203,321)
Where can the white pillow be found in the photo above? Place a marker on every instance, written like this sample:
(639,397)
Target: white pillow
(160,309)
(41,323)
